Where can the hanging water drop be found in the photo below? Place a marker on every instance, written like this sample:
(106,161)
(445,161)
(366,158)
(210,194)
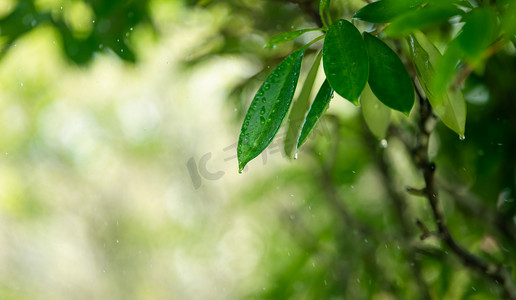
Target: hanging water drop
(383,143)
(462,137)
(295,155)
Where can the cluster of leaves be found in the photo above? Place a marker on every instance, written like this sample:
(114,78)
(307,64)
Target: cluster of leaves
(106,25)
(363,69)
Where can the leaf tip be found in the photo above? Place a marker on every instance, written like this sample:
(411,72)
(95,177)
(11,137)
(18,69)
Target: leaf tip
(241,166)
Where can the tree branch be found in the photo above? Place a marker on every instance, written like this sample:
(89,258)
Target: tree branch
(495,272)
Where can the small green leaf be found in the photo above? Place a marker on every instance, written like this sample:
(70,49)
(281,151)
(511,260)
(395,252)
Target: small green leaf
(508,18)
(288,36)
(469,45)
(300,108)
(449,106)
(423,18)
(316,110)
(478,33)
(384,11)
(345,60)
(268,109)
(388,77)
(376,115)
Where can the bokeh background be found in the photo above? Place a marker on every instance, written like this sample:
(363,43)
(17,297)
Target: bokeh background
(118,171)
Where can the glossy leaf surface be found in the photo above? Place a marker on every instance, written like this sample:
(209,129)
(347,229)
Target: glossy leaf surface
(384,11)
(300,108)
(287,36)
(388,77)
(449,106)
(345,60)
(268,108)
(376,115)
(422,18)
(316,110)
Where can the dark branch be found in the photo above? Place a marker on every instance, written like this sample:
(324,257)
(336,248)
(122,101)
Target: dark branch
(495,272)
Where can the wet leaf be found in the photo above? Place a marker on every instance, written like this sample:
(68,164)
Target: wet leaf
(300,108)
(423,18)
(268,108)
(345,60)
(288,36)
(449,106)
(316,110)
(376,115)
(388,77)
(384,11)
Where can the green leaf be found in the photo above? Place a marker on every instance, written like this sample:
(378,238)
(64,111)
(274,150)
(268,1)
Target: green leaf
(449,106)
(288,36)
(423,18)
(476,35)
(345,60)
(268,109)
(376,115)
(384,11)
(300,108)
(316,110)
(388,77)
(508,18)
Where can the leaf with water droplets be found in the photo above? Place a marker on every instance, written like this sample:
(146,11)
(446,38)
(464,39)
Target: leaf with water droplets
(388,77)
(376,115)
(345,60)
(288,36)
(449,106)
(316,110)
(300,108)
(268,108)
(384,11)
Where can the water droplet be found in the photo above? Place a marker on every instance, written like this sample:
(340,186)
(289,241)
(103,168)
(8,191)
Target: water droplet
(21,84)
(117,241)
(295,155)
(462,137)
(263,110)
(262,120)
(93,21)
(266,86)
(383,143)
